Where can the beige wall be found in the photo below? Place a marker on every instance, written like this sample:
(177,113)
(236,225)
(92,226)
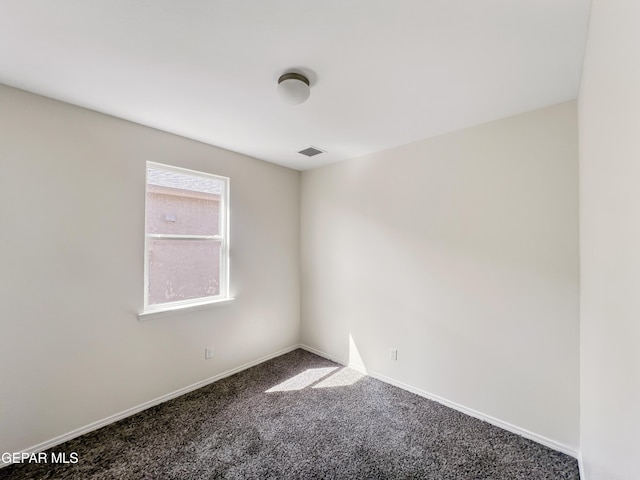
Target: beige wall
(461,252)
(609,108)
(72,350)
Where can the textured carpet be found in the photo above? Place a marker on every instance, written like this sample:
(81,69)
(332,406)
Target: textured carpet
(300,416)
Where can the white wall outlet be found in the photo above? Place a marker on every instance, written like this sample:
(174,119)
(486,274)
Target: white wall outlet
(208,353)
(393,354)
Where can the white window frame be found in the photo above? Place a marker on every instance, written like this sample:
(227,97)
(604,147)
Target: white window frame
(223,238)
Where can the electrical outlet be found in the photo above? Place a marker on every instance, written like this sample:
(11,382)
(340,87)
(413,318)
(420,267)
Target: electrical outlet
(393,354)
(208,353)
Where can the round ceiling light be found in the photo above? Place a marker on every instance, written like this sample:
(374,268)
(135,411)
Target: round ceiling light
(293,88)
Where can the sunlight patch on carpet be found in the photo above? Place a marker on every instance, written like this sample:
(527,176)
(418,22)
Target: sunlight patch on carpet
(342,378)
(302,380)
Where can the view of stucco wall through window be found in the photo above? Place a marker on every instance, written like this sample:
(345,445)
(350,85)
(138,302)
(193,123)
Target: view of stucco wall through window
(183,213)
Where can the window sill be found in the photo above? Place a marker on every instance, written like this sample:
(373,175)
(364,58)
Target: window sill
(151,314)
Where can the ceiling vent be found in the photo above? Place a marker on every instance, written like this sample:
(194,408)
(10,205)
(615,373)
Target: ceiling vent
(311,151)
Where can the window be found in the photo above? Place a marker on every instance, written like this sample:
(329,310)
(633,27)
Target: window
(186,240)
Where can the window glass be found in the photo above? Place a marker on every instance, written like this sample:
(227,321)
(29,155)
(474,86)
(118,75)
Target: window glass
(186,254)
(183,270)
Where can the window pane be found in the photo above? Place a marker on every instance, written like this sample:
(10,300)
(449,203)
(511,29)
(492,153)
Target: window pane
(183,269)
(183,204)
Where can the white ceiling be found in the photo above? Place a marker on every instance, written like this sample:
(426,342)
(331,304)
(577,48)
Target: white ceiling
(383,72)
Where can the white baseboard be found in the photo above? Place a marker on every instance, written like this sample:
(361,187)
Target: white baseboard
(583,475)
(560,447)
(143,406)
(326,355)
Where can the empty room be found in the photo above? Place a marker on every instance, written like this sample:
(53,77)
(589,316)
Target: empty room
(301,239)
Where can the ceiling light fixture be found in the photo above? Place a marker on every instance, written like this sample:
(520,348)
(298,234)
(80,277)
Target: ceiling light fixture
(293,88)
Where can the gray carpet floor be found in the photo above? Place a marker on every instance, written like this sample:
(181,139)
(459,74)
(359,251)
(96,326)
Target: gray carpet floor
(300,416)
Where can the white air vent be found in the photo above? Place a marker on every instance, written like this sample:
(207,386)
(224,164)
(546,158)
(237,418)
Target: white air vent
(311,151)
